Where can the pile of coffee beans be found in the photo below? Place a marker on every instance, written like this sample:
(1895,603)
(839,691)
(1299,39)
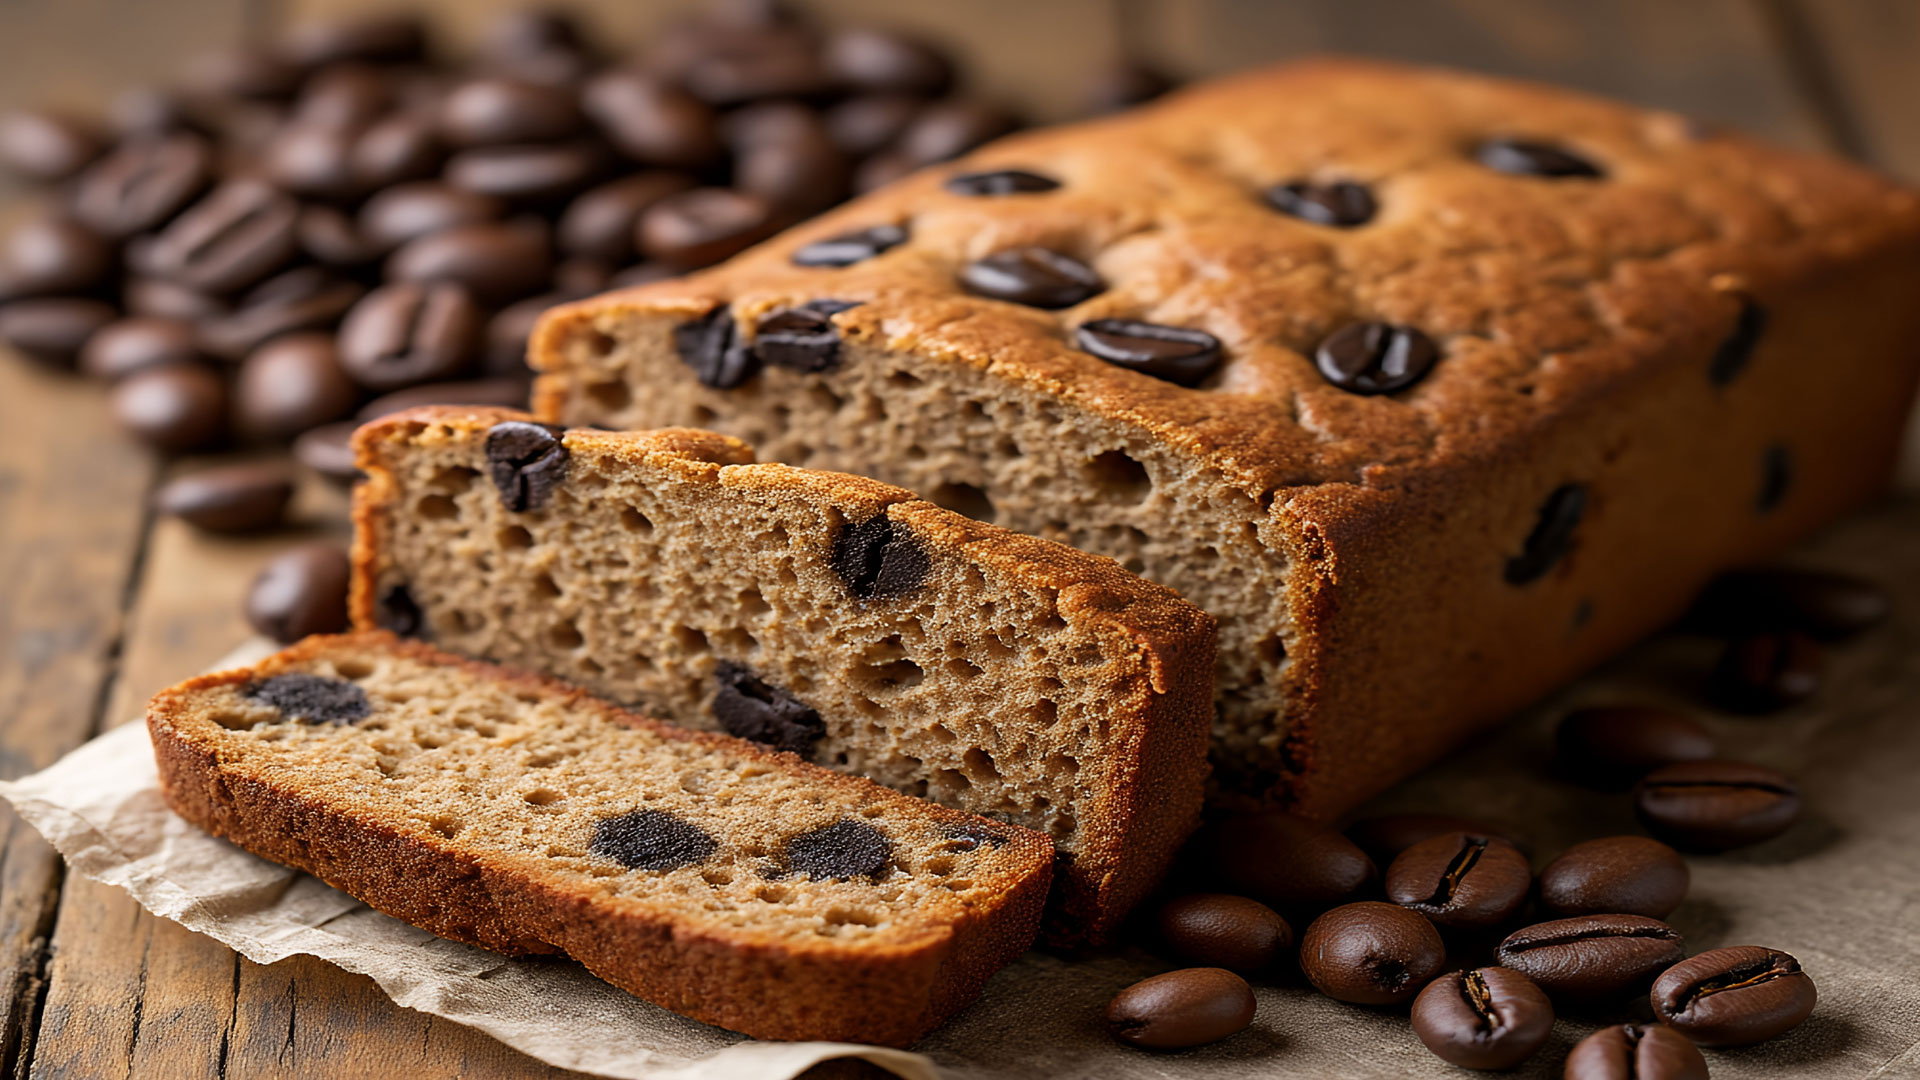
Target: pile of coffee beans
(1461,930)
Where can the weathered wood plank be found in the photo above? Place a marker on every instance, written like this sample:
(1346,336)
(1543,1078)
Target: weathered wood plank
(1866,55)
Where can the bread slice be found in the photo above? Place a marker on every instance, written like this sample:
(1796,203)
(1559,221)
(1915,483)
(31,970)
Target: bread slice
(710,876)
(828,615)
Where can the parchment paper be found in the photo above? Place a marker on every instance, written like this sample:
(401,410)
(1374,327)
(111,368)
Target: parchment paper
(1841,891)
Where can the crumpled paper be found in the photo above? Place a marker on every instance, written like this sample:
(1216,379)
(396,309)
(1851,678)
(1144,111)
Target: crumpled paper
(1840,891)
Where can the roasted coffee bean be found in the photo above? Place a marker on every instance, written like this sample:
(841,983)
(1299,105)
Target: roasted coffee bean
(229,240)
(1611,746)
(1484,1018)
(1034,276)
(1636,1052)
(497,263)
(1384,838)
(696,228)
(651,840)
(1629,875)
(173,407)
(306,298)
(1000,182)
(47,256)
(711,347)
(802,338)
(242,72)
(774,68)
(398,611)
(527,462)
(503,393)
(47,146)
(848,848)
(845,249)
(346,96)
(371,39)
(1776,478)
(1734,997)
(526,172)
(53,330)
(864,58)
(879,558)
(1461,881)
(1376,357)
(800,175)
(1735,351)
(1341,204)
(1552,536)
(505,350)
(641,274)
(870,123)
(144,111)
(1527,157)
(229,498)
(1217,930)
(142,184)
(946,129)
(492,111)
(880,170)
(160,298)
(328,451)
(312,161)
(1177,354)
(532,32)
(137,344)
(1122,85)
(747,707)
(409,211)
(1767,672)
(652,122)
(1593,959)
(312,699)
(330,237)
(1286,862)
(1371,953)
(291,384)
(302,591)
(403,146)
(409,333)
(1716,805)
(1825,606)
(581,276)
(600,224)
(1190,1007)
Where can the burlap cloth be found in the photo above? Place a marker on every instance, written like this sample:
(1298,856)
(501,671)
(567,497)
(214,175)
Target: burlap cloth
(1841,891)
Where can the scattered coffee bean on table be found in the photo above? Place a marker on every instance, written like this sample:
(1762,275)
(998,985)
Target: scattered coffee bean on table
(1767,672)
(1611,746)
(1370,953)
(1593,959)
(1823,605)
(1735,996)
(1218,930)
(1483,1018)
(1636,1052)
(1629,875)
(173,408)
(1284,861)
(230,498)
(302,591)
(1384,838)
(1716,805)
(1461,881)
(1179,1009)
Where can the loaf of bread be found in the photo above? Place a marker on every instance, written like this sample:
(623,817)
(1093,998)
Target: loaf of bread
(1434,389)
(831,616)
(731,883)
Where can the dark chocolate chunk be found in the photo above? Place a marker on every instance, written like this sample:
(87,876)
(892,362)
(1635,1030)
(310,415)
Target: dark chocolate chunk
(1000,182)
(1177,354)
(1528,157)
(1034,276)
(1552,535)
(1736,350)
(315,699)
(400,613)
(1341,204)
(1776,477)
(1375,357)
(800,338)
(847,848)
(710,347)
(651,840)
(849,248)
(878,558)
(749,708)
(528,462)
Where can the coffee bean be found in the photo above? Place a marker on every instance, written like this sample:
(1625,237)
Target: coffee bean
(1340,204)
(651,840)
(306,298)
(848,248)
(1716,805)
(313,161)
(1177,354)
(867,59)
(1190,1007)
(776,67)
(800,175)
(1384,838)
(505,350)
(1376,357)
(173,407)
(1122,85)
(1000,182)
(652,122)
(1034,276)
(144,111)
(398,611)
(303,591)
(1593,959)
(142,184)
(527,462)
(372,39)
(499,393)
(802,338)
(290,385)
(409,333)
(879,558)
(526,172)
(492,111)
(1734,997)
(581,276)
(641,274)
(1527,157)
(1612,746)
(946,129)
(1552,536)
(328,451)
(330,237)
(747,707)
(229,240)
(1484,1018)
(1636,1052)
(47,146)
(409,211)
(345,96)
(696,228)
(1286,862)
(882,169)
(1629,875)
(1217,930)
(848,848)
(600,224)
(1735,351)
(497,263)
(138,344)
(246,73)
(312,699)
(1825,606)
(1776,478)
(867,124)
(1767,672)
(48,256)
(403,146)
(1371,953)
(532,32)
(229,498)
(1461,881)
(159,298)
(53,330)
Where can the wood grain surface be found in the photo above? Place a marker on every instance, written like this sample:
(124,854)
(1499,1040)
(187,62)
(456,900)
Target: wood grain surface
(100,605)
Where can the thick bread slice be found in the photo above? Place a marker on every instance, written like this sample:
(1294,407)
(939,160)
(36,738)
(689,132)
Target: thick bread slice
(825,614)
(710,876)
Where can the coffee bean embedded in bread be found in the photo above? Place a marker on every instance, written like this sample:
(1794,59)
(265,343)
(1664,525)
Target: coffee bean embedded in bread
(1823,605)
(1179,355)
(398,611)
(802,338)
(1735,351)
(1710,806)
(1776,478)
(1483,1018)
(312,699)
(1370,953)
(1631,875)
(1375,357)
(1341,204)
(1735,996)
(852,247)
(302,591)
(1000,182)
(1766,672)
(848,848)
(879,559)
(1461,881)
(710,347)
(1612,746)
(1552,536)
(1593,959)
(1180,1009)
(651,840)
(527,462)
(749,708)
(1218,930)
(1529,157)
(1034,276)
(229,498)
(1636,1052)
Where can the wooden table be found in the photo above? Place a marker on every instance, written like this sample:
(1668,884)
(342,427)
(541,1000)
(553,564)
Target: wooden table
(101,604)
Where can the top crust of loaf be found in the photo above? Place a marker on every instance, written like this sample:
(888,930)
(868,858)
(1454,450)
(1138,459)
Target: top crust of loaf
(1543,295)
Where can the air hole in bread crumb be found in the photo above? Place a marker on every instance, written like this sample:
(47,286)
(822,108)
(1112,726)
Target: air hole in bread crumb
(445,826)
(891,675)
(959,884)
(773,894)
(752,603)
(844,916)
(237,721)
(453,479)
(612,396)
(545,587)
(943,735)
(960,668)
(951,780)
(542,797)
(427,740)
(903,379)
(565,635)
(939,865)
(514,537)
(436,508)
(1044,713)
(591,666)
(1120,478)
(826,400)
(703,416)
(1005,447)
(1062,766)
(979,766)
(717,877)
(963,499)
(632,520)
(1271,650)
(691,641)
